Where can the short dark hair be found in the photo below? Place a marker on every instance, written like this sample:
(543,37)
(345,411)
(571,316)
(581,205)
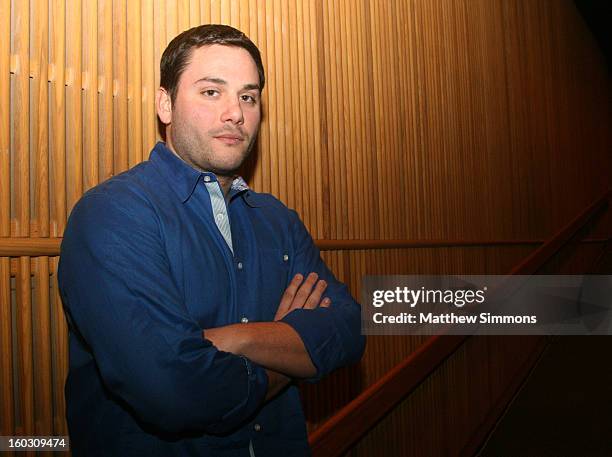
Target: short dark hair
(178,52)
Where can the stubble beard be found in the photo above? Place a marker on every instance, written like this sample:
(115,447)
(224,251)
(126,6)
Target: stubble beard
(201,156)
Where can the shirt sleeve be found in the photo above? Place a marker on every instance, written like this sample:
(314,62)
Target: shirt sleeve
(120,298)
(332,336)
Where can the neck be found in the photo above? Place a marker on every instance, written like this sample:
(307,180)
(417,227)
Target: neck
(226,183)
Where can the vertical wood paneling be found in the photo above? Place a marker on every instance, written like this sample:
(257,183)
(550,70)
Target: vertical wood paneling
(412,119)
(347,174)
(226,12)
(43,398)
(5,119)
(355,211)
(149,119)
(74,104)
(206,12)
(303,155)
(234,14)
(120,88)
(248,21)
(307,127)
(134,81)
(321,121)
(105,89)
(263,150)
(7,404)
(215,12)
(194,13)
(25,370)
(20,125)
(90,93)
(292,139)
(282,124)
(403,114)
(330,79)
(59,345)
(375,65)
(39,135)
(169,17)
(272,102)
(160,37)
(57,118)
(183,10)
(378,105)
(370,143)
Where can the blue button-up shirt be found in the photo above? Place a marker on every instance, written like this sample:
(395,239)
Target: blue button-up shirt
(143,269)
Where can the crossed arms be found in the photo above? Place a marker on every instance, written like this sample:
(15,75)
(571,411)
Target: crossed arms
(276,345)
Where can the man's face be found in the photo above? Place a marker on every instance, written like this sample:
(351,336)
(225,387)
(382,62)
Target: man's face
(214,120)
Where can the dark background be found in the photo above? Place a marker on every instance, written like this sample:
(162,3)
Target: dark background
(598,16)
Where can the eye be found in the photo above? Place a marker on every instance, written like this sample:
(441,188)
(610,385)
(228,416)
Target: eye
(248,99)
(210,92)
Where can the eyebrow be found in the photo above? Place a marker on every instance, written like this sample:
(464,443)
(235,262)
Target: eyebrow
(223,82)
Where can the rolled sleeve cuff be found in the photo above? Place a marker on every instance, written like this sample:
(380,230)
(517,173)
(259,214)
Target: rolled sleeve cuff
(320,339)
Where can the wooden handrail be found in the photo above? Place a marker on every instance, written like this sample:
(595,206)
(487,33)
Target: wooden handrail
(16,247)
(346,245)
(339,433)
(537,258)
(34,247)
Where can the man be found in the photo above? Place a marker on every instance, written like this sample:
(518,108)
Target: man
(194,302)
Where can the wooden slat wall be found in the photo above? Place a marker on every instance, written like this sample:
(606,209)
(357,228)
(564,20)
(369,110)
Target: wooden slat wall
(411,119)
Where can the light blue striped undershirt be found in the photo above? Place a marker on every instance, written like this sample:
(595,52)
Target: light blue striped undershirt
(219,205)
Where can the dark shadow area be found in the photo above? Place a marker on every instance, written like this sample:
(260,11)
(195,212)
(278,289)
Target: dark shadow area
(565,406)
(598,17)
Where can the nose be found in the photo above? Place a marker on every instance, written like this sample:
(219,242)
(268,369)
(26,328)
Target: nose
(232,112)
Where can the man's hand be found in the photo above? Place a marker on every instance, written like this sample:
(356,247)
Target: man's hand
(300,294)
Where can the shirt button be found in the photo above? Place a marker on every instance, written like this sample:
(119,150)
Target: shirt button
(244,320)
(220,216)
(285,257)
(257,427)
(240,265)
(206,178)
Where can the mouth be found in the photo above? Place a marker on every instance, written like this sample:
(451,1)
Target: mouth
(229,139)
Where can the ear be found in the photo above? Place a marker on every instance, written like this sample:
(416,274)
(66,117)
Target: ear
(163,104)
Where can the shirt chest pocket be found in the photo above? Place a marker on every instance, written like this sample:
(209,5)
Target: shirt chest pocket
(272,280)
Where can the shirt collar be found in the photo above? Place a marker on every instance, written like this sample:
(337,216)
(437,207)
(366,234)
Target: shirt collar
(239,186)
(182,177)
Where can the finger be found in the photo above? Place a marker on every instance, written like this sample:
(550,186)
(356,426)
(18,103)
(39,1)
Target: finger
(290,292)
(325,302)
(315,296)
(285,304)
(304,291)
